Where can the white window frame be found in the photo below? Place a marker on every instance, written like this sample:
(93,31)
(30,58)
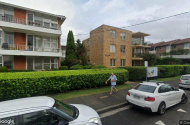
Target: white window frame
(122,35)
(112,62)
(123,61)
(113,34)
(168,48)
(2,60)
(112,48)
(187,46)
(121,48)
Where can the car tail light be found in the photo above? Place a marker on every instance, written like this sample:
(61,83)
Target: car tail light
(128,93)
(150,99)
(180,80)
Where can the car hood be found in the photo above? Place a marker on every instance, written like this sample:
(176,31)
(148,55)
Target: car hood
(85,113)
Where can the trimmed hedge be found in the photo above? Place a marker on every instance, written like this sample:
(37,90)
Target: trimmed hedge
(26,84)
(98,67)
(63,68)
(88,66)
(3,69)
(136,72)
(76,67)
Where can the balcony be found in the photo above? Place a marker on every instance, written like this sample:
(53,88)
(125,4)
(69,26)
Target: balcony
(7,49)
(137,56)
(152,52)
(20,25)
(145,45)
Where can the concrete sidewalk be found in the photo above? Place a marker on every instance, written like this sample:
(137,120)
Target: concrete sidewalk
(102,102)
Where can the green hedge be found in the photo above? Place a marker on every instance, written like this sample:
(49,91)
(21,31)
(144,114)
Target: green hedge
(63,68)
(98,67)
(136,72)
(3,69)
(88,66)
(26,84)
(76,67)
(170,70)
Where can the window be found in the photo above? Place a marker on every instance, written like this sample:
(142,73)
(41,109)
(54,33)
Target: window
(38,63)
(112,62)
(47,44)
(54,44)
(54,63)
(173,46)
(8,17)
(88,42)
(47,25)
(30,63)
(122,35)
(46,63)
(168,48)
(30,19)
(1,60)
(122,48)
(112,48)
(53,25)
(1,37)
(112,33)
(145,88)
(41,118)
(38,44)
(9,38)
(88,53)
(8,61)
(122,62)
(8,121)
(187,46)
(165,88)
(88,62)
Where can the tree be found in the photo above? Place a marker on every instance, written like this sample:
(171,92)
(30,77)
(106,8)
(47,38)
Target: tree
(71,57)
(151,58)
(81,52)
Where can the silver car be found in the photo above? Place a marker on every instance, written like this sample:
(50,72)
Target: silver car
(184,81)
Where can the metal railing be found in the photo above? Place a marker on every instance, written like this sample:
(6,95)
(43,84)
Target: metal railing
(6,46)
(30,23)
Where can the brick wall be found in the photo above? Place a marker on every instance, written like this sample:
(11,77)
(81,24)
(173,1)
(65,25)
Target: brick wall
(19,62)
(21,14)
(20,40)
(160,51)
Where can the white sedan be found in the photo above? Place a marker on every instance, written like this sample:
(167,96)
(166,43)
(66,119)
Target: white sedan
(44,110)
(155,96)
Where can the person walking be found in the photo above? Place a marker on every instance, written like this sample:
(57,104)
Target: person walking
(113,79)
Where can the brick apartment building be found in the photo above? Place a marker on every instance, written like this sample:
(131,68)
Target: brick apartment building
(112,46)
(29,39)
(161,48)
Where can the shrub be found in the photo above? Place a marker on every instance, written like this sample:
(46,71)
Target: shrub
(26,84)
(3,69)
(88,66)
(170,70)
(63,68)
(186,69)
(12,70)
(98,67)
(76,67)
(136,72)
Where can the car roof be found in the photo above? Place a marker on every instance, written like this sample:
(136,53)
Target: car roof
(186,75)
(26,103)
(156,84)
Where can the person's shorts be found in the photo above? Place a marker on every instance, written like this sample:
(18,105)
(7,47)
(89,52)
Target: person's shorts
(112,86)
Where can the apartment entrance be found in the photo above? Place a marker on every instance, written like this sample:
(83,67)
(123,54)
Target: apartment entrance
(30,40)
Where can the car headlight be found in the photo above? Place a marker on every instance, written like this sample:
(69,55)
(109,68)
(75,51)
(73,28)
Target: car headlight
(96,121)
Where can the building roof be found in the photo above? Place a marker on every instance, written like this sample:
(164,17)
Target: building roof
(173,42)
(38,11)
(140,34)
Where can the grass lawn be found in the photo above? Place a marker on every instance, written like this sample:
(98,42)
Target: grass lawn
(168,79)
(86,92)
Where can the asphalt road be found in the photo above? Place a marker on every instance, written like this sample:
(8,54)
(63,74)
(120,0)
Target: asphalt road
(129,115)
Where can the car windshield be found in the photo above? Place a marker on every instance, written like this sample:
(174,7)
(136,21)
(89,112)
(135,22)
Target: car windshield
(185,77)
(67,109)
(145,88)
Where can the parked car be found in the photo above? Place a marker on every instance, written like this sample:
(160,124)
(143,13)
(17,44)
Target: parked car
(184,81)
(155,96)
(45,110)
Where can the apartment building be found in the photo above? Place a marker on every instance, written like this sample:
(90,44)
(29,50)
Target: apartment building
(139,47)
(63,49)
(109,46)
(29,39)
(163,48)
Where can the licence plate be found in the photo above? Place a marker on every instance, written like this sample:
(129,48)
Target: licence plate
(136,96)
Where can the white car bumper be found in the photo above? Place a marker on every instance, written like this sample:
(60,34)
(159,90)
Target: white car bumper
(184,85)
(152,106)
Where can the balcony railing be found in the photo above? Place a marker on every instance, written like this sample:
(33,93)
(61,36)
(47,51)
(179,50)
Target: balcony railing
(30,23)
(6,46)
(137,55)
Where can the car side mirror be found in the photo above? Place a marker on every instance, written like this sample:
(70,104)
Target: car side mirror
(175,89)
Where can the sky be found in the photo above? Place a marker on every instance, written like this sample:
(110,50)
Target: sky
(82,16)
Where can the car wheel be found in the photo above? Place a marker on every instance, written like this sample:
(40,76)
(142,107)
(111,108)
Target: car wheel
(184,99)
(162,108)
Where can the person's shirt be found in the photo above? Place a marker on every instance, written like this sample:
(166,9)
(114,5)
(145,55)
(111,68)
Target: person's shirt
(113,78)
